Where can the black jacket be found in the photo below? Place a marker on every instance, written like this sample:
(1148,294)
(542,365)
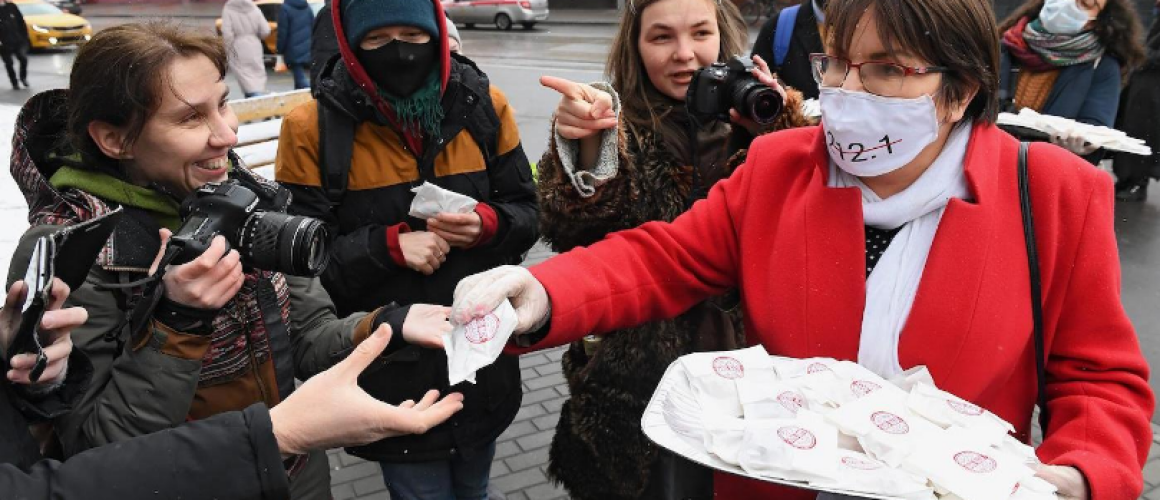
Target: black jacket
(795,70)
(362,271)
(13,31)
(232,456)
(19,407)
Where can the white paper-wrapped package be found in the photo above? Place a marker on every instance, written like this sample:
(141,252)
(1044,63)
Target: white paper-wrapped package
(1034,488)
(857,381)
(478,343)
(946,409)
(430,200)
(790,368)
(885,428)
(714,375)
(803,448)
(958,462)
(859,472)
(763,397)
(724,436)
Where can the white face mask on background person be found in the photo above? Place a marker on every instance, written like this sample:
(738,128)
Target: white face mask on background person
(1063,17)
(869,135)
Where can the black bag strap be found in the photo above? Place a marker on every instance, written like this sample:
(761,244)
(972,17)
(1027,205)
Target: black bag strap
(335,148)
(1036,288)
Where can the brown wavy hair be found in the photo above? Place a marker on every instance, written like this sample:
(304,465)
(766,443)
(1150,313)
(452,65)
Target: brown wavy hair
(120,76)
(1117,27)
(643,106)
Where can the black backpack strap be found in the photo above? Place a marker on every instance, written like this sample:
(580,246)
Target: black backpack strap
(1036,288)
(335,148)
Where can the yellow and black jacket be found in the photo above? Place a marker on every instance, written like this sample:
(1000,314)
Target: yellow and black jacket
(366,270)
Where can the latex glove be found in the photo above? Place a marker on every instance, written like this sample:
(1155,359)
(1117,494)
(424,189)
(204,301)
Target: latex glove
(1069,481)
(459,230)
(584,111)
(479,294)
(1073,142)
(55,333)
(424,251)
(762,73)
(426,324)
(331,411)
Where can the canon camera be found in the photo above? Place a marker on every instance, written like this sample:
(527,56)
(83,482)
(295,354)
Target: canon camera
(270,241)
(722,86)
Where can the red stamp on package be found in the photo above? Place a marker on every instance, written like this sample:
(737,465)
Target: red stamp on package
(863,387)
(976,462)
(861,463)
(965,408)
(890,423)
(817,368)
(792,401)
(481,330)
(728,367)
(797,437)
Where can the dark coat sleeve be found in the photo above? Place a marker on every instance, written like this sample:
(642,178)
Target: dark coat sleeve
(229,456)
(284,27)
(1103,98)
(513,192)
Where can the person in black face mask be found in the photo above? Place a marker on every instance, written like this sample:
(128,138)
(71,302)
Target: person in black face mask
(394,109)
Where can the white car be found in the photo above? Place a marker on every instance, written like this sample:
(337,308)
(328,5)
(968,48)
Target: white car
(502,13)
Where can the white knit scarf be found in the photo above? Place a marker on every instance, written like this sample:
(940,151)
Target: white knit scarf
(891,287)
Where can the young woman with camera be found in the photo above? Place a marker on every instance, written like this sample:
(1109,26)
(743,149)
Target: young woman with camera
(624,153)
(893,234)
(146,122)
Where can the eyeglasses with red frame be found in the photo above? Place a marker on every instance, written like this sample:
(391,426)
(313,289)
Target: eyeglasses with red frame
(881,78)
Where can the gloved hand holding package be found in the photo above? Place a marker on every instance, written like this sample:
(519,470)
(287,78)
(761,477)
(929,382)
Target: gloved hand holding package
(430,200)
(478,343)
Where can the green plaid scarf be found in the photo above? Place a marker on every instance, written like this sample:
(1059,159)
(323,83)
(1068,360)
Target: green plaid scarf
(421,111)
(1062,50)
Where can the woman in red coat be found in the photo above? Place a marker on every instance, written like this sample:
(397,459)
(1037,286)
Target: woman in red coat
(891,235)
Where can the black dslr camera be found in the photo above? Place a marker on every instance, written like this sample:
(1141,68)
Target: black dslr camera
(270,241)
(720,86)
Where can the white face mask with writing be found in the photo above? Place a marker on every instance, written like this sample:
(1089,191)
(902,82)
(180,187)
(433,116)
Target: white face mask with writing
(1063,17)
(869,135)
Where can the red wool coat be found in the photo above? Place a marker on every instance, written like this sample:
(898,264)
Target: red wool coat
(795,247)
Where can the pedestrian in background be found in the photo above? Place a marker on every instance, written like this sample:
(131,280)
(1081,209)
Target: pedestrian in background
(14,42)
(243,30)
(294,26)
(1068,58)
(1141,106)
(802,36)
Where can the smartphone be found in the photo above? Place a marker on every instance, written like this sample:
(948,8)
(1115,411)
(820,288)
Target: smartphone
(68,254)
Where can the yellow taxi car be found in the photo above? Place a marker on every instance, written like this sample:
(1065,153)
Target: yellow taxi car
(50,27)
(269,9)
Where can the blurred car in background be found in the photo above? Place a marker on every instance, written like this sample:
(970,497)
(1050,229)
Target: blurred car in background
(269,9)
(50,27)
(501,13)
(68,6)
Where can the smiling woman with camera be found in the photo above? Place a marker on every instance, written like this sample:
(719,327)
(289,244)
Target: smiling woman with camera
(145,124)
(625,153)
(906,230)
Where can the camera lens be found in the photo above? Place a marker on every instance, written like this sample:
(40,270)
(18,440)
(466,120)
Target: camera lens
(286,243)
(756,101)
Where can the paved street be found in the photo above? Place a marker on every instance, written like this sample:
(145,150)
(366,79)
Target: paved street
(514,61)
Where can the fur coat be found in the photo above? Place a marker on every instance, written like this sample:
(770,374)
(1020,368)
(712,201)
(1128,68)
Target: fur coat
(599,450)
